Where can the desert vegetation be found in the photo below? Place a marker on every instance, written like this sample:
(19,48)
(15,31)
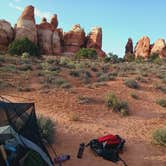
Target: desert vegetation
(98,95)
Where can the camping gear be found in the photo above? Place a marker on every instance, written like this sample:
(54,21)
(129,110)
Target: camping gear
(112,141)
(32,158)
(4,155)
(108,147)
(81,150)
(62,158)
(19,121)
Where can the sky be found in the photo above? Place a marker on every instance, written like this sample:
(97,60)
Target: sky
(119,19)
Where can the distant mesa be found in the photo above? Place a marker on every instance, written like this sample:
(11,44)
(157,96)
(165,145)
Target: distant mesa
(50,38)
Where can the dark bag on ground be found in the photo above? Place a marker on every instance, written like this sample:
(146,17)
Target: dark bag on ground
(108,147)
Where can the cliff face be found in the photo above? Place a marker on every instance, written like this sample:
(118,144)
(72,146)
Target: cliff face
(50,38)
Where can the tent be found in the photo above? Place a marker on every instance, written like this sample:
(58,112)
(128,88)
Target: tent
(18,123)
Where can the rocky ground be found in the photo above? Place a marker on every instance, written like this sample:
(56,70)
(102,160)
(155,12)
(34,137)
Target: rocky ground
(79,120)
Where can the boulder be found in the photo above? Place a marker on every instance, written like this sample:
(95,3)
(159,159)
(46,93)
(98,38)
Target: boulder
(74,39)
(6,34)
(44,34)
(25,26)
(54,21)
(142,48)
(94,40)
(158,46)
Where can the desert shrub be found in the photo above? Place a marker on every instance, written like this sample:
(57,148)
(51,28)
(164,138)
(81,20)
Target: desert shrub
(61,83)
(113,58)
(161,75)
(117,105)
(25,67)
(98,84)
(153,57)
(83,99)
(131,83)
(164,80)
(46,129)
(53,68)
(134,96)
(105,68)
(88,53)
(25,45)
(94,69)
(74,117)
(144,74)
(25,55)
(105,77)
(160,87)
(129,57)
(75,73)
(141,79)
(4,84)
(66,62)
(66,85)
(9,68)
(24,89)
(159,136)
(87,74)
(140,59)
(161,102)
(2,59)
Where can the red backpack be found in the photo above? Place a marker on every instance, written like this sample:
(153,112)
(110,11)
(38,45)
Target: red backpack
(108,147)
(112,141)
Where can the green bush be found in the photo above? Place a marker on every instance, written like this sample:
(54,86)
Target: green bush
(89,53)
(134,96)
(25,67)
(25,45)
(117,105)
(113,58)
(159,136)
(75,73)
(161,102)
(129,57)
(46,129)
(131,84)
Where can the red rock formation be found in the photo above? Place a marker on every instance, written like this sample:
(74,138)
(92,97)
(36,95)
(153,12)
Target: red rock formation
(158,46)
(94,40)
(129,47)
(163,53)
(54,21)
(74,39)
(25,26)
(44,34)
(6,34)
(56,42)
(142,48)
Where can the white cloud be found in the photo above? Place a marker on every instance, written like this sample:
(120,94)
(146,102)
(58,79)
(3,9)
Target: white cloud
(15,7)
(38,13)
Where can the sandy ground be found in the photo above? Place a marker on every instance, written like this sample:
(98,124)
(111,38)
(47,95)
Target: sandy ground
(96,120)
